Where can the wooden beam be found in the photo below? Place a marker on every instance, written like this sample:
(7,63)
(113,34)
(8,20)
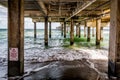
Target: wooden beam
(42,6)
(81,8)
(69,1)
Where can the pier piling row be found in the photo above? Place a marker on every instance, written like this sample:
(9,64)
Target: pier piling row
(101,11)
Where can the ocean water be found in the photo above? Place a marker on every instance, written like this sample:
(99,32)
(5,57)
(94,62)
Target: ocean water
(35,51)
(29,38)
(3,43)
(32,45)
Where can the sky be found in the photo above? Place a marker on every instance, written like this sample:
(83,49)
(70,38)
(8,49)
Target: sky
(28,24)
(3,17)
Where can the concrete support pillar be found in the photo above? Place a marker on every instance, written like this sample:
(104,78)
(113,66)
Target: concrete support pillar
(79,31)
(88,34)
(61,29)
(85,29)
(46,31)
(114,41)
(93,33)
(64,29)
(98,26)
(49,29)
(35,30)
(77,27)
(72,32)
(15,38)
(67,29)
(101,34)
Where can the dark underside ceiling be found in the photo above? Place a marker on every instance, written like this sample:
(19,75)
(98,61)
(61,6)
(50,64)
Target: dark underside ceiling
(64,10)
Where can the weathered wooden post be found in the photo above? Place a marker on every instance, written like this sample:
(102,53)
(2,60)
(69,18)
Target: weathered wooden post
(114,40)
(85,25)
(101,34)
(64,29)
(61,29)
(67,29)
(88,34)
(46,31)
(93,34)
(79,31)
(15,38)
(34,30)
(77,27)
(98,26)
(49,29)
(72,32)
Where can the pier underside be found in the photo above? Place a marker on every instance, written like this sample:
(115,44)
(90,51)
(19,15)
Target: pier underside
(88,13)
(64,10)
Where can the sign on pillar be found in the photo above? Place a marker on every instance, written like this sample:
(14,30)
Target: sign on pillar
(13,54)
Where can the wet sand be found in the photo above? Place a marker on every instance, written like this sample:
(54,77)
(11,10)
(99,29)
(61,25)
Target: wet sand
(63,64)
(68,70)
